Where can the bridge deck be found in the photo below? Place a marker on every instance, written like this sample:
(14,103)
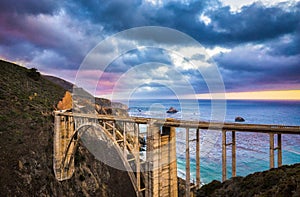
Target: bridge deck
(261,128)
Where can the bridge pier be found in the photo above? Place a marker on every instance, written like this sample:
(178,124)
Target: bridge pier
(272,150)
(198,158)
(224,155)
(187,163)
(161,158)
(63,131)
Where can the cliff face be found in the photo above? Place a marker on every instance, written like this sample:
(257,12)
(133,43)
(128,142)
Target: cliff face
(26,143)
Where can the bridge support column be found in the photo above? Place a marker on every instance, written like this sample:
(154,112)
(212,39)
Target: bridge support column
(198,183)
(161,157)
(233,153)
(224,164)
(272,151)
(63,131)
(187,164)
(224,155)
(279,150)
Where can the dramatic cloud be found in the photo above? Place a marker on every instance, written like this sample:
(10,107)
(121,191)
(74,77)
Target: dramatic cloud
(29,7)
(257,68)
(256,45)
(254,23)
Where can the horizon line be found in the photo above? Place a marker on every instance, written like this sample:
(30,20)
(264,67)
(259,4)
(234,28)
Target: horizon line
(268,95)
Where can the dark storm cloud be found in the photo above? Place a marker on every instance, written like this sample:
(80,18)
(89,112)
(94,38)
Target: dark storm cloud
(288,45)
(58,34)
(38,32)
(115,15)
(255,23)
(120,15)
(257,68)
(28,7)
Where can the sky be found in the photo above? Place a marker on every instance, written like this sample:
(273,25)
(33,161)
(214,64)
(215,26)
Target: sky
(252,47)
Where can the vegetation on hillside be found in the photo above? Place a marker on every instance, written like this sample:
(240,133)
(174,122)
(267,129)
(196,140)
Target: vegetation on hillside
(281,182)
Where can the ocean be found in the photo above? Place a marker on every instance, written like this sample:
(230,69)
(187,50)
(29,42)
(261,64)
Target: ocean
(252,148)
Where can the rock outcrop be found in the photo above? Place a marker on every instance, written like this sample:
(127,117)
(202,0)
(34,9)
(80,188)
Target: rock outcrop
(66,102)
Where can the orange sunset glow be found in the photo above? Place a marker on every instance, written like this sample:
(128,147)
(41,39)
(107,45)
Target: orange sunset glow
(259,95)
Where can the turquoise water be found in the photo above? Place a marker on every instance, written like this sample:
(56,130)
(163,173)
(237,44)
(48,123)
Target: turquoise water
(252,148)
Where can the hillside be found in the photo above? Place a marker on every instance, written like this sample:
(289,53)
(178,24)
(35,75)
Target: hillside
(26,131)
(281,182)
(60,82)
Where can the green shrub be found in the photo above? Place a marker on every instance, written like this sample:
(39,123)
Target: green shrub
(34,74)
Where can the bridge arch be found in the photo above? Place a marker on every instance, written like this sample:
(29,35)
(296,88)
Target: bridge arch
(102,135)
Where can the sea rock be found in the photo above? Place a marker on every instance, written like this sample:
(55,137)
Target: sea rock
(172,110)
(239,119)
